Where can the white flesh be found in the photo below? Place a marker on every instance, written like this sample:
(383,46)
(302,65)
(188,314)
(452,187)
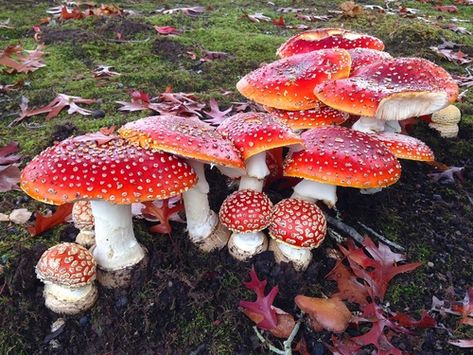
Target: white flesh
(68,300)
(243,246)
(369,125)
(116,247)
(312,191)
(300,258)
(251,183)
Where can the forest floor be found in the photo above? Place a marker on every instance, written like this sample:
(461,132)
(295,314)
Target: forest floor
(186,301)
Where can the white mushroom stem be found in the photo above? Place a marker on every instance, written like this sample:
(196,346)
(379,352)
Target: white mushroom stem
(69,300)
(373,125)
(312,191)
(243,246)
(256,171)
(116,247)
(300,258)
(201,220)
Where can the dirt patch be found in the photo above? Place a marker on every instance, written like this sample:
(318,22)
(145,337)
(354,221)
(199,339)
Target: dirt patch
(61,132)
(110,26)
(169,49)
(60,35)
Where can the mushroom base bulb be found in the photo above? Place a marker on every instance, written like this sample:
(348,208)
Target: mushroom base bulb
(86,238)
(411,104)
(216,240)
(67,300)
(312,191)
(300,258)
(446,130)
(243,246)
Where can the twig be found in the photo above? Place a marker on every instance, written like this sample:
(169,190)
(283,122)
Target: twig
(287,350)
(336,236)
(345,228)
(265,341)
(382,237)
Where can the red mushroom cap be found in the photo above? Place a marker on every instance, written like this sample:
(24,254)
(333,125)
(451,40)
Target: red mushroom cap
(315,117)
(246,211)
(116,171)
(393,89)
(82,215)
(255,132)
(67,264)
(361,57)
(288,83)
(343,157)
(323,38)
(298,223)
(405,147)
(185,136)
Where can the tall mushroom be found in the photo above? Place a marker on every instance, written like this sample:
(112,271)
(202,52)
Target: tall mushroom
(253,134)
(394,89)
(112,174)
(323,38)
(201,144)
(338,156)
(288,83)
(297,226)
(68,271)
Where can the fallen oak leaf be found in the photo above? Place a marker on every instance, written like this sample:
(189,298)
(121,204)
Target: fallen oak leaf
(9,178)
(46,222)
(98,137)
(350,9)
(426,321)
(140,101)
(285,322)
(256,17)
(167,30)
(20,60)
(103,71)
(446,8)
(279,22)
(7,155)
(163,211)
(188,11)
(349,288)
(216,116)
(211,56)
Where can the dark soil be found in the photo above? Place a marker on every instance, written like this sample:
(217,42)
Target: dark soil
(59,35)
(169,49)
(110,26)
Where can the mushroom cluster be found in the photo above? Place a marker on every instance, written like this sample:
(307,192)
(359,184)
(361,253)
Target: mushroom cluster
(325,80)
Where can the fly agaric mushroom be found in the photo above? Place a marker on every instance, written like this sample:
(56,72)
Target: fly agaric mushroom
(297,226)
(253,134)
(394,89)
(246,213)
(446,121)
(201,144)
(319,116)
(323,38)
(361,57)
(68,271)
(405,147)
(338,156)
(84,221)
(288,83)
(112,174)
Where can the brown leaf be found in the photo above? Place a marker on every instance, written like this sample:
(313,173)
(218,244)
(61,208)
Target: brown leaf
(257,17)
(22,61)
(9,178)
(46,222)
(351,9)
(349,288)
(462,343)
(279,22)
(216,116)
(103,71)
(167,30)
(330,314)
(447,8)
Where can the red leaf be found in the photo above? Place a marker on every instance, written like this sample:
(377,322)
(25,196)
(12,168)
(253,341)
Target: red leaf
(446,8)
(167,30)
(263,304)
(348,286)
(6,153)
(140,101)
(46,222)
(9,177)
(20,60)
(279,22)
(377,269)
(99,137)
(462,308)
(163,214)
(426,321)
(216,116)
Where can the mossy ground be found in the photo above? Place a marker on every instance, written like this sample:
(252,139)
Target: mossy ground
(189,301)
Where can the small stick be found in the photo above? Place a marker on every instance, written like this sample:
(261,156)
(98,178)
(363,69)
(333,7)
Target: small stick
(382,237)
(335,235)
(287,343)
(345,228)
(264,341)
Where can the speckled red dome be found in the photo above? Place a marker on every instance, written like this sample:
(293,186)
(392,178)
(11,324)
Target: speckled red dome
(361,57)
(298,223)
(405,147)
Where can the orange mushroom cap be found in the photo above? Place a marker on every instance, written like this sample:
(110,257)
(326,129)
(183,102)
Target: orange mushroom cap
(288,83)
(246,211)
(298,223)
(393,89)
(361,57)
(255,132)
(315,117)
(67,264)
(79,168)
(187,137)
(343,157)
(405,147)
(323,38)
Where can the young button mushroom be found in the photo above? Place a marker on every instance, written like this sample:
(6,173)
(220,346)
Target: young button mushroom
(201,144)
(112,174)
(338,156)
(323,38)
(84,221)
(246,213)
(446,121)
(288,83)
(253,134)
(68,271)
(394,89)
(297,226)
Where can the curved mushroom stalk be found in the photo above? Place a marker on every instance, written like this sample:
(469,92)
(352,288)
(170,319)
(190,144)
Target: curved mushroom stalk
(313,191)
(243,246)
(256,171)
(300,258)
(67,300)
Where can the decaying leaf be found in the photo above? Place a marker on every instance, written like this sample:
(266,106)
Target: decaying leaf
(351,9)
(163,212)
(216,116)
(46,222)
(167,30)
(426,321)
(103,71)
(20,60)
(188,11)
(17,216)
(140,101)
(279,21)
(256,17)
(349,288)
(447,8)
(462,343)
(463,308)
(9,171)
(75,12)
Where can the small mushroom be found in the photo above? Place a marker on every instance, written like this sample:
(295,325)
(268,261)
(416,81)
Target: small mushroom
(446,121)
(68,271)
(323,38)
(297,226)
(246,213)
(84,221)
